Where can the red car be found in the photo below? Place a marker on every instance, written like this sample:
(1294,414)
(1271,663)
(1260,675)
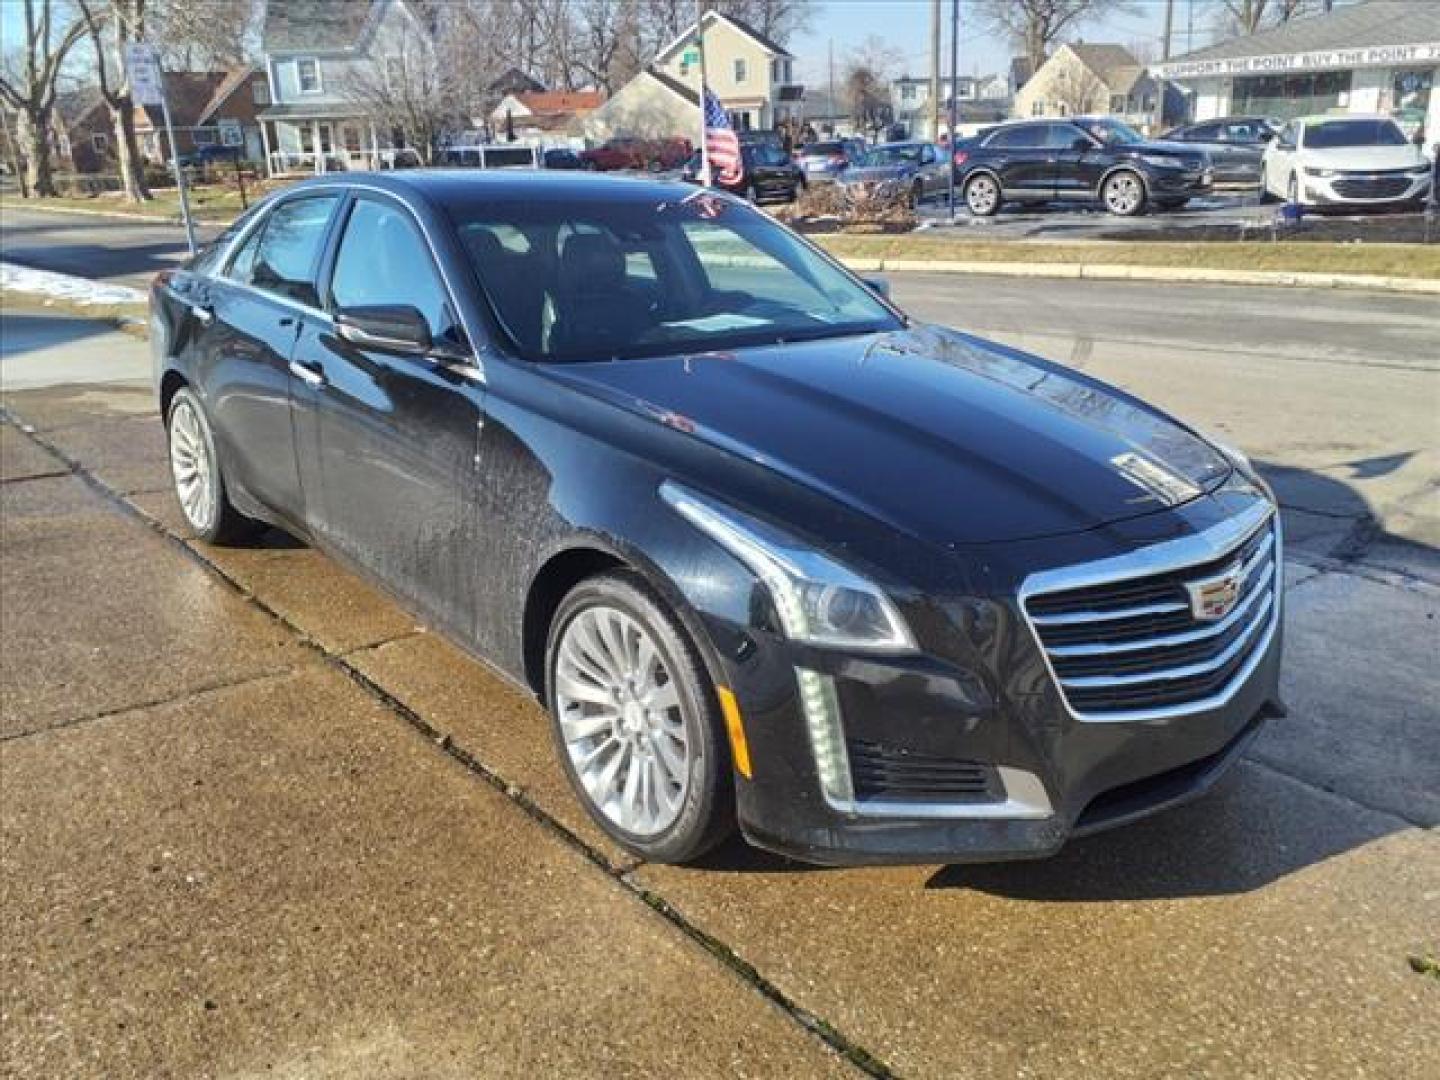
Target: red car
(633,153)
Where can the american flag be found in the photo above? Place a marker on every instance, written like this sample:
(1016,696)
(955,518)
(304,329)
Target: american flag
(721,145)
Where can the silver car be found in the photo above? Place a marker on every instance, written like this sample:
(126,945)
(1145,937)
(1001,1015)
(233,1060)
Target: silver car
(920,169)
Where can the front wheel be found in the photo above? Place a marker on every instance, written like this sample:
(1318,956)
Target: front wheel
(1123,193)
(982,195)
(195,469)
(637,722)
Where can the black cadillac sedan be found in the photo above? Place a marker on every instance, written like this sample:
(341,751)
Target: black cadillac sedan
(772,553)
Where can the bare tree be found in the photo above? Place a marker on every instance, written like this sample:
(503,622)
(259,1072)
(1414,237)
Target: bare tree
(866,87)
(113,24)
(1248,16)
(28,86)
(1078,89)
(201,35)
(1036,25)
(410,91)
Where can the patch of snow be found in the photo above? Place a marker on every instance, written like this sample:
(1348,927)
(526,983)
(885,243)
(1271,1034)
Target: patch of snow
(77,290)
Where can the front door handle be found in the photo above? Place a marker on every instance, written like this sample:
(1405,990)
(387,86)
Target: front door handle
(307,373)
(203,312)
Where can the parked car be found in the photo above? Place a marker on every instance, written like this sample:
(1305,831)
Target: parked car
(560,158)
(492,156)
(1236,145)
(1345,161)
(215,154)
(822,161)
(633,153)
(770,551)
(918,168)
(769,174)
(1083,159)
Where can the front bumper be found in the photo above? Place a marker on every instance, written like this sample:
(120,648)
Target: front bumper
(1364,189)
(972,754)
(1178,183)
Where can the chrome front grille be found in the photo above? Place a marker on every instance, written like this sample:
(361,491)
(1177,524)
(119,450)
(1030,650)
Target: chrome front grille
(1371,185)
(1129,645)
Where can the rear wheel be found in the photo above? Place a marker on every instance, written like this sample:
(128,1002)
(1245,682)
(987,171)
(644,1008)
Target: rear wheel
(195,470)
(982,195)
(636,720)
(1123,193)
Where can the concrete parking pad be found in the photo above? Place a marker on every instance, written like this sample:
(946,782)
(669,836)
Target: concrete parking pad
(100,613)
(1263,931)
(22,458)
(1377,743)
(281,878)
(502,727)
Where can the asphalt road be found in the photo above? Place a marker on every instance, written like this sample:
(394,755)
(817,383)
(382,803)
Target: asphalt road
(254,819)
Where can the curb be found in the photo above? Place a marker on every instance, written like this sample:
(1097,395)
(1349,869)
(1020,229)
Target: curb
(1125,272)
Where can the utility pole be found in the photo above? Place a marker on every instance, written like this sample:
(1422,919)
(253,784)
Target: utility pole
(834,105)
(934,70)
(954,86)
(1169,23)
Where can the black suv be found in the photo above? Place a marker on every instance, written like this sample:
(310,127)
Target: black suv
(769,173)
(1040,161)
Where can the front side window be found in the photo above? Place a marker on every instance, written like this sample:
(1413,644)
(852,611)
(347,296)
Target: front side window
(405,275)
(595,281)
(281,257)
(1112,132)
(307,75)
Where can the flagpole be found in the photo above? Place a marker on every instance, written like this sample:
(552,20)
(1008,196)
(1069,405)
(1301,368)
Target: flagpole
(700,48)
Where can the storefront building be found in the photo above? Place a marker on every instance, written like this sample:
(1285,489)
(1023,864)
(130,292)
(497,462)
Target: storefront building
(1380,56)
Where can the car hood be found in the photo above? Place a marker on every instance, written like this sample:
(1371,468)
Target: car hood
(948,438)
(872,174)
(1365,157)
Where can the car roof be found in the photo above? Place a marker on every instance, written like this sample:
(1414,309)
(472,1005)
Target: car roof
(444,185)
(1335,118)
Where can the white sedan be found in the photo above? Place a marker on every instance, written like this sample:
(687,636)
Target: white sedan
(1345,161)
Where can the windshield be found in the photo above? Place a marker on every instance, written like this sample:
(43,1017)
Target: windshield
(603,279)
(892,155)
(1335,133)
(1112,132)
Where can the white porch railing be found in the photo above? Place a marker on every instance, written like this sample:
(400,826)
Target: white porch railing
(289,162)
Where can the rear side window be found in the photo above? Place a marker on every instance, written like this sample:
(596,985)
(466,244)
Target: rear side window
(281,257)
(404,274)
(1015,137)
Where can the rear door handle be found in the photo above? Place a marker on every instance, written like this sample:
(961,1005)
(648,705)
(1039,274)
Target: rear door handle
(307,373)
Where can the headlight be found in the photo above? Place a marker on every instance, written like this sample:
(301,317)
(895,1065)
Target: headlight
(1242,463)
(1324,174)
(819,601)
(1162,162)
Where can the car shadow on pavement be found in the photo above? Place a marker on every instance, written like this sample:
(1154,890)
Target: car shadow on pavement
(25,332)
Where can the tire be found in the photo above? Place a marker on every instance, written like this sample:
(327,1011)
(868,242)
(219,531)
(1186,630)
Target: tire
(1292,189)
(1123,193)
(664,722)
(917,194)
(198,479)
(982,195)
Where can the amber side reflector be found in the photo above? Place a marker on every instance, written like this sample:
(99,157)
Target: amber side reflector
(738,746)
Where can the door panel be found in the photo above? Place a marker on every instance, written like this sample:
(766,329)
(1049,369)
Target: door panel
(392,440)
(1077,167)
(1022,161)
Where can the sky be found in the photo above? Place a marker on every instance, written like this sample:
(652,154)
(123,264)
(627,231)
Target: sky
(905,24)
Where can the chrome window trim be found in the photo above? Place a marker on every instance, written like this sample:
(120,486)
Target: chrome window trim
(1025,799)
(1168,556)
(477,372)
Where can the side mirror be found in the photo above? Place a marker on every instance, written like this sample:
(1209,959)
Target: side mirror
(397,328)
(879,286)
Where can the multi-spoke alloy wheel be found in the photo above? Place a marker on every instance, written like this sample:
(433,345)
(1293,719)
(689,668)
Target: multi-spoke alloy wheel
(1124,193)
(619,713)
(191,465)
(196,471)
(637,720)
(982,196)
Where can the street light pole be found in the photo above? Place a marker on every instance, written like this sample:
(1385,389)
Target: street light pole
(954,88)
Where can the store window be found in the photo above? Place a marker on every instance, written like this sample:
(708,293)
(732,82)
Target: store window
(1410,98)
(1288,96)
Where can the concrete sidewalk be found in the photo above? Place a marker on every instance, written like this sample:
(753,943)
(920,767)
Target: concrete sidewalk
(254,819)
